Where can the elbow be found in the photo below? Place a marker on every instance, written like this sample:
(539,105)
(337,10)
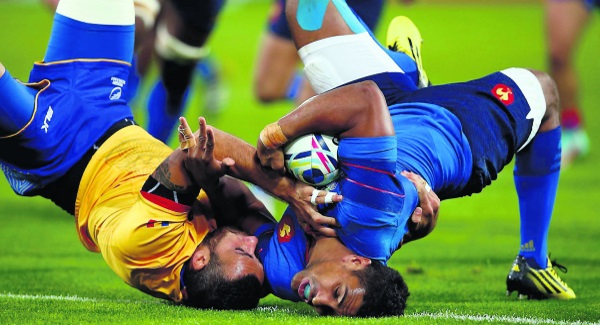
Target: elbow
(377,108)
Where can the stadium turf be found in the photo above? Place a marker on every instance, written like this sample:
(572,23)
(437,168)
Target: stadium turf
(456,275)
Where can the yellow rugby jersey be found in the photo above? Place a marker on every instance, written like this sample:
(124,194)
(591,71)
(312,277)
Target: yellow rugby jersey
(145,240)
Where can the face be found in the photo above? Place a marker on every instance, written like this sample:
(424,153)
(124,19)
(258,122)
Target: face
(236,255)
(331,287)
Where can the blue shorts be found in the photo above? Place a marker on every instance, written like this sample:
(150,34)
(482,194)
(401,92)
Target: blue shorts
(495,128)
(368,10)
(78,96)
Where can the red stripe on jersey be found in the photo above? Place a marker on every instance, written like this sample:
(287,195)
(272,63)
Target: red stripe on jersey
(369,169)
(374,188)
(165,203)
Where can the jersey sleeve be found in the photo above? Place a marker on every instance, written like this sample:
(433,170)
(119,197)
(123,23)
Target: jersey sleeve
(377,200)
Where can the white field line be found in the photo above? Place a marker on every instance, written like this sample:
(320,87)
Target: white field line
(440,315)
(495,318)
(71,298)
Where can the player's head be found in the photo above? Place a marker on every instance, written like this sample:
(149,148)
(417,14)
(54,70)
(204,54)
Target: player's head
(223,272)
(357,286)
(385,291)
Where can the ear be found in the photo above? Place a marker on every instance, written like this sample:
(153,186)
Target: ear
(200,258)
(357,261)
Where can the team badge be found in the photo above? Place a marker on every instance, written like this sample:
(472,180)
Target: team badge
(504,93)
(285,229)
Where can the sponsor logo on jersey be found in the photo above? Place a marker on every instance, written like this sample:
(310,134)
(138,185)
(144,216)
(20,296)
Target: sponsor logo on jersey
(117,92)
(504,93)
(285,229)
(47,119)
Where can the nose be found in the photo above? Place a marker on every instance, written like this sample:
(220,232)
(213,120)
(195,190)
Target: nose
(250,242)
(322,299)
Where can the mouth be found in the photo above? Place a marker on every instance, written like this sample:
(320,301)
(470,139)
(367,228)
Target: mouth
(304,291)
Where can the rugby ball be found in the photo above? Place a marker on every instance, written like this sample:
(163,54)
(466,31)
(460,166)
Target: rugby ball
(312,159)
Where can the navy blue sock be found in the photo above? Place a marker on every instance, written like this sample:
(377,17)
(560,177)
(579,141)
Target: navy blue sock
(160,122)
(536,174)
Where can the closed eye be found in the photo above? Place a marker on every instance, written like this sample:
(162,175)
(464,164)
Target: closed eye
(343,298)
(243,252)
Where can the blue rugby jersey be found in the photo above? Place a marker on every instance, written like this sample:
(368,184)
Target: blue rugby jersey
(378,201)
(283,250)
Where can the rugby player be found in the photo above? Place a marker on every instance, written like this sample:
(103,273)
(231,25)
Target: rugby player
(69,136)
(565,23)
(182,30)
(457,137)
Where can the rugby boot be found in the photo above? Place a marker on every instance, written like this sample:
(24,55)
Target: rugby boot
(575,144)
(537,283)
(404,36)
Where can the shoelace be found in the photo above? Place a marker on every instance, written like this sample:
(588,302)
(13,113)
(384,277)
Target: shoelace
(554,263)
(559,266)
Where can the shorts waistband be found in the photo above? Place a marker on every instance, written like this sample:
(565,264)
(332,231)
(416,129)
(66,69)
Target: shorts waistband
(63,191)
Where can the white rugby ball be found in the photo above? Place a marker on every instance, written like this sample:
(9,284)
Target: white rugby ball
(312,158)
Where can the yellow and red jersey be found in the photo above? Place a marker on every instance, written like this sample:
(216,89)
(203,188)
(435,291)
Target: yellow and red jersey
(144,239)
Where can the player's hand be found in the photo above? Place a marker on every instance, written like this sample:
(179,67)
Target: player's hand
(200,161)
(270,158)
(305,208)
(424,218)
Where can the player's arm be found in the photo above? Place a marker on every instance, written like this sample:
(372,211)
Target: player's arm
(171,181)
(295,193)
(231,203)
(356,110)
(248,168)
(182,175)
(237,158)
(424,218)
(229,200)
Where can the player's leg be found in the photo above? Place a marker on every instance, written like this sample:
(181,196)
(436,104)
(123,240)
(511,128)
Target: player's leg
(182,31)
(76,33)
(146,12)
(565,23)
(95,29)
(16,104)
(335,46)
(276,74)
(536,175)
(404,37)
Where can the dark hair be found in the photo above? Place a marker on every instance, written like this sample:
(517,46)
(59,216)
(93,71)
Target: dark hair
(385,291)
(209,288)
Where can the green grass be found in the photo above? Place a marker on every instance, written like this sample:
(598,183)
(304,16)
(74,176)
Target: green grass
(46,276)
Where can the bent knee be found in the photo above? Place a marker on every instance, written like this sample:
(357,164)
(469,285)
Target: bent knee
(551,117)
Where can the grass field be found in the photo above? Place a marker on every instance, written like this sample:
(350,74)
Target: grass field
(46,276)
